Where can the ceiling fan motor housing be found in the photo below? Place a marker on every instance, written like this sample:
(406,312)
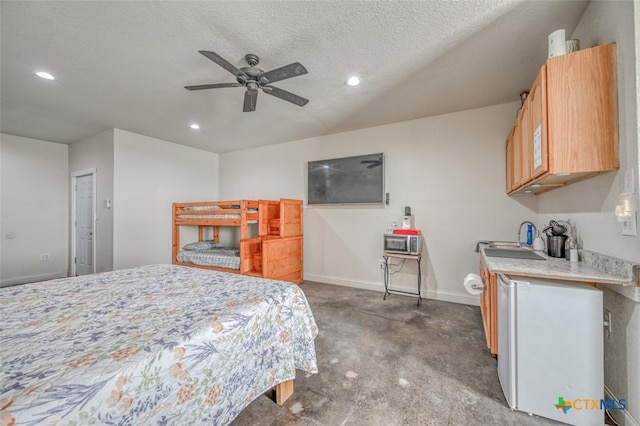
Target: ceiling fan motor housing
(252,72)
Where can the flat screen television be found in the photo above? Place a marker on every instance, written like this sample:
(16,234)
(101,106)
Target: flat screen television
(348,180)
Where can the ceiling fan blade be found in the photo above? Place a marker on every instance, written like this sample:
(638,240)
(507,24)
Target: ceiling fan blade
(222,62)
(287,71)
(250,99)
(287,96)
(211,86)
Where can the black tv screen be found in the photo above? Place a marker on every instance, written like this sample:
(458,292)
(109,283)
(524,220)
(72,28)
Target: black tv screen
(348,180)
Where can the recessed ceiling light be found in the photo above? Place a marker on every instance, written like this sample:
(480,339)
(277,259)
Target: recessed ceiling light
(45,75)
(353,81)
(194,126)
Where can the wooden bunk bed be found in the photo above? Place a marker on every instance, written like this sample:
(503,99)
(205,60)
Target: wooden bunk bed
(276,252)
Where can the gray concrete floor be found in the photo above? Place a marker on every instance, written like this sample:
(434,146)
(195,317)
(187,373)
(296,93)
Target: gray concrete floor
(393,363)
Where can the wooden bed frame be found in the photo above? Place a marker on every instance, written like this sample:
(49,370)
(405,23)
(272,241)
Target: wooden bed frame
(282,392)
(277,251)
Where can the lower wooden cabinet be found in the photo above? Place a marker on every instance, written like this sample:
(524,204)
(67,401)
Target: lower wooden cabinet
(489,307)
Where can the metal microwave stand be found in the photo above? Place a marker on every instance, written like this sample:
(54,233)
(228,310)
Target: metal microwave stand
(387,274)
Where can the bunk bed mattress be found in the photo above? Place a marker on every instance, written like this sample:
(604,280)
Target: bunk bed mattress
(213,216)
(159,344)
(218,257)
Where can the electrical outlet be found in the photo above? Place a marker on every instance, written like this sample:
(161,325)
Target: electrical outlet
(44,257)
(381,263)
(629,226)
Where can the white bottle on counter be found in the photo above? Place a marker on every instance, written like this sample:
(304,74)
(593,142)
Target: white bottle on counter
(571,249)
(538,242)
(574,255)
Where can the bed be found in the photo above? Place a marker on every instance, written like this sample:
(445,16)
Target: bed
(275,250)
(158,344)
(209,253)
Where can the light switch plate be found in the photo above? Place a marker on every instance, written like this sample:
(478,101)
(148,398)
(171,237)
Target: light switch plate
(627,183)
(629,226)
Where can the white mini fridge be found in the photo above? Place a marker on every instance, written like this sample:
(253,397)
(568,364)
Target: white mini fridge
(550,348)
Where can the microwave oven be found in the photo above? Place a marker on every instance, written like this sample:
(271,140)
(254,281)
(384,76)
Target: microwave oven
(403,244)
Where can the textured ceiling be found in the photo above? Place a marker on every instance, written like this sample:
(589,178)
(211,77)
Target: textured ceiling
(124,64)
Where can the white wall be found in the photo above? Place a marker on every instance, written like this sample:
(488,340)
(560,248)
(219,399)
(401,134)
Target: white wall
(35,207)
(636,28)
(448,168)
(590,204)
(96,152)
(149,175)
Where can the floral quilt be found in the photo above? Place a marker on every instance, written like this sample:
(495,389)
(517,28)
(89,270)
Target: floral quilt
(154,345)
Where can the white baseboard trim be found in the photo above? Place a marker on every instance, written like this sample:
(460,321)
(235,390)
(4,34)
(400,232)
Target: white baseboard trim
(464,299)
(622,417)
(32,278)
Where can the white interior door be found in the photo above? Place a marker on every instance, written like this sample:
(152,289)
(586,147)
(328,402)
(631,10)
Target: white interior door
(84,225)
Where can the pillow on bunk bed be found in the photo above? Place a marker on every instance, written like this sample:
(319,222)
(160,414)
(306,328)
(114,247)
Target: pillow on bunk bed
(202,245)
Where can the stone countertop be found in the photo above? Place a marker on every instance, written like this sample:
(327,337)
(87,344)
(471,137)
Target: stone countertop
(592,268)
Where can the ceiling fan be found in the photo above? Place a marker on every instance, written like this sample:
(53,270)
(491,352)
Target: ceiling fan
(372,163)
(253,78)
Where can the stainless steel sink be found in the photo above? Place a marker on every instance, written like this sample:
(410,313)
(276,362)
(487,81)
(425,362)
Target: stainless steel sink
(512,252)
(503,244)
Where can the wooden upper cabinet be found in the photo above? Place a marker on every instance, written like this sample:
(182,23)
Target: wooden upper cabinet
(518,173)
(509,160)
(519,150)
(538,115)
(571,132)
(526,140)
(581,106)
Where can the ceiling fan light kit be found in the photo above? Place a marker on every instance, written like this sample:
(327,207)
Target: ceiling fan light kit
(353,81)
(45,75)
(254,79)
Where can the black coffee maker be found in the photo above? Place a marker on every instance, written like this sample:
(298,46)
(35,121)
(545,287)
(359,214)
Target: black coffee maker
(556,238)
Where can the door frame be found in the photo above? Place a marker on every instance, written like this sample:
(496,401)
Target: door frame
(74,178)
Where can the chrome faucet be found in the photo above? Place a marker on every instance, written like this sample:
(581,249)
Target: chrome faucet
(526,222)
